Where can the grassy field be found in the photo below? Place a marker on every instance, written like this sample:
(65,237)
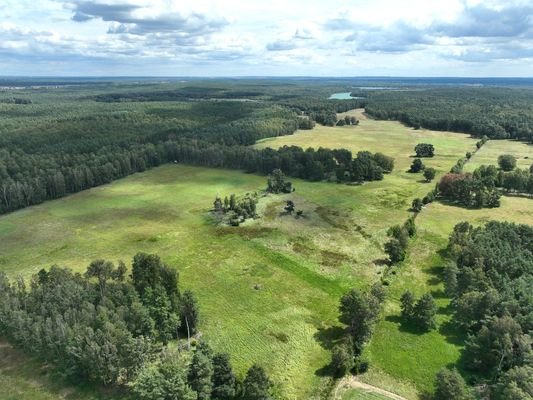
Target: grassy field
(488,154)
(301,266)
(388,137)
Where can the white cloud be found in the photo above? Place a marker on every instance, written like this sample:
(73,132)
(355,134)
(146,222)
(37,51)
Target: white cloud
(247,37)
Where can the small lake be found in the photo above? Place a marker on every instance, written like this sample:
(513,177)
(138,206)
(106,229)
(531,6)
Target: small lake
(343,96)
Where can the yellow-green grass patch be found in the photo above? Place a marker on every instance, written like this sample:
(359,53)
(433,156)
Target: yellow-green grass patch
(488,154)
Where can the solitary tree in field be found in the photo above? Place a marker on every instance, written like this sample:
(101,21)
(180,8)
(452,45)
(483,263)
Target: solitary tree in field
(395,251)
(417,205)
(358,311)
(507,162)
(429,174)
(416,166)
(424,150)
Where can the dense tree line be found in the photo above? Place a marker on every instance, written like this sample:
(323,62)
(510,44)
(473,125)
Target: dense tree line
(108,328)
(490,279)
(99,326)
(497,113)
(475,190)
(23,183)
(51,150)
(480,188)
(359,310)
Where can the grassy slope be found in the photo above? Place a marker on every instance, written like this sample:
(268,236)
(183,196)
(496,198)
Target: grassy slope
(303,266)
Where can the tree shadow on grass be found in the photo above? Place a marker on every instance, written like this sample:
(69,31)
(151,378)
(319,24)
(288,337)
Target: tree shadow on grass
(452,332)
(330,336)
(405,326)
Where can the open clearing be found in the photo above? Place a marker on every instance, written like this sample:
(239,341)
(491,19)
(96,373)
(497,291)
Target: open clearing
(388,137)
(490,151)
(302,266)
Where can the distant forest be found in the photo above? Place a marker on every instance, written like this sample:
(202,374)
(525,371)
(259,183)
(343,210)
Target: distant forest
(499,113)
(66,138)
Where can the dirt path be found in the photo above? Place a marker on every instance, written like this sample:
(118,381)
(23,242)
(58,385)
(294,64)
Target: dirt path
(352,382)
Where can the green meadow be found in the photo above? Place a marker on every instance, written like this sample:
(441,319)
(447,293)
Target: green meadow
(269,289)
(488,154)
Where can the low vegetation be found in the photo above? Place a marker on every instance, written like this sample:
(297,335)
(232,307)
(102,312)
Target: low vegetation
(292,281)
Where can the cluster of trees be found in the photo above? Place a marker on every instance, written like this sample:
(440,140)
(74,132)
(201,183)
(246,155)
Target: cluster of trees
(100,326)
(480,188)
(306,123)
(358,311)
(207,376)
(277,183)
(236,210)
(417,165)
(321,110)
(111,329)
(347,120)
(399,236)
(475,190)
(517,180)
(490,279)
(364,167)
(497,113)
(419,313)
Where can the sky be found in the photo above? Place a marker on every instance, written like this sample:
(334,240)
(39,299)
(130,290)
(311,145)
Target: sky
(266,38)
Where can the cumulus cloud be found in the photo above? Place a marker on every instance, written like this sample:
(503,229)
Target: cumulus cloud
(482,21)
(239,36)
(477,31)
(130,18)
(399,37)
